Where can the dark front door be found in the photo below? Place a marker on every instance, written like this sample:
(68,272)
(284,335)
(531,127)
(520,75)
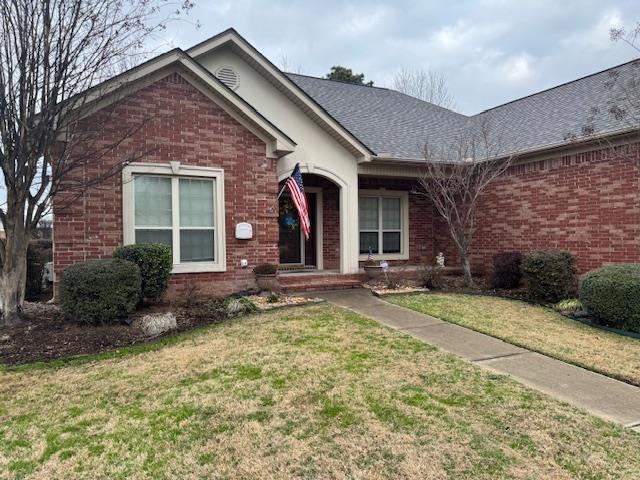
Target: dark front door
(310,258)
(294,249)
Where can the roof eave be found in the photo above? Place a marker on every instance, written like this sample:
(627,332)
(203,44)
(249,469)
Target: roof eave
(95,98)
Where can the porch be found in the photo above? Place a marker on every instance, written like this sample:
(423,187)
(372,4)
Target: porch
(386,221)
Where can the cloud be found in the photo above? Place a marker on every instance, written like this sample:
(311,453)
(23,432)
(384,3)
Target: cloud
(360,24)
(516,68)
(595,36)
(491,51)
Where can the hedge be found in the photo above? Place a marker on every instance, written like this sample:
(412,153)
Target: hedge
(612,294)
(506,270)
(100,291)
(155,261)
(549,274)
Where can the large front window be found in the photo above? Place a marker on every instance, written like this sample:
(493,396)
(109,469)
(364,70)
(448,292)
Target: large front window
(382,224)
(182,210)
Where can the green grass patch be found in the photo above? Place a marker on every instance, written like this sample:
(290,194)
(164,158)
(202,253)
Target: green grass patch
(249,399)
(536,328)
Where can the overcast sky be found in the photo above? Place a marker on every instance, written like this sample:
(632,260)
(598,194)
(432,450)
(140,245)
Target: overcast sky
(490,51)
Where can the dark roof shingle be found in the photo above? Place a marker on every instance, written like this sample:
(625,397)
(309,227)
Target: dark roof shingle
(394,124)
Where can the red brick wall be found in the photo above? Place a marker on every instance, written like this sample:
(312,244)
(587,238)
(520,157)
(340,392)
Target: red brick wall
(188,127)
(584,203)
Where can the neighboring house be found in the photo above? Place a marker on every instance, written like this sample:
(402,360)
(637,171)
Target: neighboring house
(229,126)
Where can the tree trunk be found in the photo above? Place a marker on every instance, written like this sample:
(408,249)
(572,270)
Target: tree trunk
(466,268)
(13,277)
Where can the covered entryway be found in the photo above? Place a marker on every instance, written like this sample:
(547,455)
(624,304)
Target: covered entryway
(313,264)
(335,249)
(322,250)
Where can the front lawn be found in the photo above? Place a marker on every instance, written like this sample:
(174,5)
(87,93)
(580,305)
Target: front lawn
(309,392)
(536,328)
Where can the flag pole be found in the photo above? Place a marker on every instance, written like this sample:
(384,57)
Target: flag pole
(281,190)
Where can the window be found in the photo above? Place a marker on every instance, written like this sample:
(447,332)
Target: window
(383,224)
(179,206)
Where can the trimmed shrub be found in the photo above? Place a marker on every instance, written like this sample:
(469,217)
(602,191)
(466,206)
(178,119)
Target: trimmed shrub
(100,291)
(506,270)
(612,294)
(155,261)
(549,274)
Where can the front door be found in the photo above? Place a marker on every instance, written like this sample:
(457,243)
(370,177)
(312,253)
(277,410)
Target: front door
(294,249)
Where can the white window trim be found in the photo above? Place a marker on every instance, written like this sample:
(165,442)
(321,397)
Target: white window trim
(404,226)
(175,170)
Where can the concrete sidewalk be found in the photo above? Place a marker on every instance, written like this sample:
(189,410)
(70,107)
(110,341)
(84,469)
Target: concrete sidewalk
(600,395)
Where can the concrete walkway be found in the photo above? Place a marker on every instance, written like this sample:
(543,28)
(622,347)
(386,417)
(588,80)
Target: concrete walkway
(600,395)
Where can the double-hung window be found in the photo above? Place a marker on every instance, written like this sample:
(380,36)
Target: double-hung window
(383,224)
(179,206)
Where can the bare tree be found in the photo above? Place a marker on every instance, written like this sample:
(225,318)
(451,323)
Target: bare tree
(455,177)
(285,64)
(628,36)
(50,52)
(629,108)
(429,86)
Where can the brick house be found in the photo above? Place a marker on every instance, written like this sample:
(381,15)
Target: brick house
(228,127)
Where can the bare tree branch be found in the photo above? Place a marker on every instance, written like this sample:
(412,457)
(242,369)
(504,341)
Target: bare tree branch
(429,86)
(455,177)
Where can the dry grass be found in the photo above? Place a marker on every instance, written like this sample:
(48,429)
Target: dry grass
(310,392)
(536,328)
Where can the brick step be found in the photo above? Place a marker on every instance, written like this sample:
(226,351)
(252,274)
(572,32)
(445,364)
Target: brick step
(302,283)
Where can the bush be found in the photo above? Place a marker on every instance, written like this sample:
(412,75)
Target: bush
(155,261)
(568,306)
(549,274)
(431,277)
(506,270)
(612,294)
(38,254)
(239,306)
(265,269)
(100,291)
(273,298)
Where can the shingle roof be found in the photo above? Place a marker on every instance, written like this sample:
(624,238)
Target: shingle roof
(386,121)
(394,124)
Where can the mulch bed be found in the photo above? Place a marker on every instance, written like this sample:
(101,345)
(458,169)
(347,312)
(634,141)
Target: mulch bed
(47,335)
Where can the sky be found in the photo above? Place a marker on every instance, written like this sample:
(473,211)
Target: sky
(489,51)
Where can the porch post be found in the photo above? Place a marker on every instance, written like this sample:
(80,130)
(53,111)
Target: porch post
(349,246)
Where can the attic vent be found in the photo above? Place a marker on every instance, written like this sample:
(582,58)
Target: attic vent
(228,76)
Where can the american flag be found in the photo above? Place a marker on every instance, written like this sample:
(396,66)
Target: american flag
(296,189)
